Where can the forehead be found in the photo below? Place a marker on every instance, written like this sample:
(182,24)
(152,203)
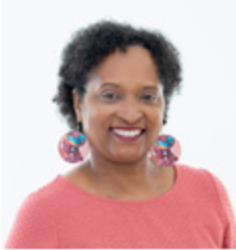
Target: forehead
(133,66)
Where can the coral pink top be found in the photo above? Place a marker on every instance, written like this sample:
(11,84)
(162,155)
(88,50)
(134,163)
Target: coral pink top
(195,213)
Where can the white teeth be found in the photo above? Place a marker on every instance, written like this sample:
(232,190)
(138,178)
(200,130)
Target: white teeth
(127,133)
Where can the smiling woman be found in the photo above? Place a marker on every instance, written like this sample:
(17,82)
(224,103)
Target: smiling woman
(110,111)
(116,83)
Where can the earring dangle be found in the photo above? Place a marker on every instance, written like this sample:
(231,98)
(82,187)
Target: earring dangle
(73,146)
(166,151)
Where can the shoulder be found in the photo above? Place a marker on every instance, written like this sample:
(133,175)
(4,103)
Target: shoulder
(206,177)
(206,184)
(35,224)
(42,199)
(199,174)
(203,176)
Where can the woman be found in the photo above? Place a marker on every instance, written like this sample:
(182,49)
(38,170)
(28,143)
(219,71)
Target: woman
(129,192)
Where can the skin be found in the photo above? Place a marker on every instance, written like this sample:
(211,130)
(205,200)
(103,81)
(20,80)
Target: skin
(124,90)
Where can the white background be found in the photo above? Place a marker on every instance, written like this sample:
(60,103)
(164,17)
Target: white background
(202,117)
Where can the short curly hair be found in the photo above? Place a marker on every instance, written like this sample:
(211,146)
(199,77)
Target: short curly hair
(91,45)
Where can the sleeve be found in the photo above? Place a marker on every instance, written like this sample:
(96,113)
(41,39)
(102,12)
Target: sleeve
(230,232)
(34,225)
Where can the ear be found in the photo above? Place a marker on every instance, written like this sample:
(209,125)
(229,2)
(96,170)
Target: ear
(77,105)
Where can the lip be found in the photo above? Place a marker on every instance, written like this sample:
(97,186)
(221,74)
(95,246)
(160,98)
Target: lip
(127,128)
(128,139)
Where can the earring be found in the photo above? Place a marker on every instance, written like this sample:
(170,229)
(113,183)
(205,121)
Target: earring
(166,151)
(73,146)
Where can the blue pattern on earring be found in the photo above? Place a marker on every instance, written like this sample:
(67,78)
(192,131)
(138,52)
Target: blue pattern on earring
(170,138)
(162,143)
(73,139)
(82,138)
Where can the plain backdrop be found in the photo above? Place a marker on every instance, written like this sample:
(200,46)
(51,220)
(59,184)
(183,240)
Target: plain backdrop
(202,117)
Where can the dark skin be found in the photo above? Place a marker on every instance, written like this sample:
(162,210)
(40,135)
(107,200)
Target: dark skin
(124,90)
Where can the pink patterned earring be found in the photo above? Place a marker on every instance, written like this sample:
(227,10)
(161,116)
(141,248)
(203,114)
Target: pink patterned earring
(73,146)
(166,151)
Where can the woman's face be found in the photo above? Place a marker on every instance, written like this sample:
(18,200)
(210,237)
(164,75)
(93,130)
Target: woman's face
(124,94)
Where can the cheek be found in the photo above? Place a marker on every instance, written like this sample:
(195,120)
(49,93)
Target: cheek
(95,120)
(155,117)
(155,121)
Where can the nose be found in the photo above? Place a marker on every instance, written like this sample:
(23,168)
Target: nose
(130,111)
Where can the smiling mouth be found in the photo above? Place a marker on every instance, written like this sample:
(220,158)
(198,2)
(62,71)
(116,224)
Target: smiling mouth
(127,135)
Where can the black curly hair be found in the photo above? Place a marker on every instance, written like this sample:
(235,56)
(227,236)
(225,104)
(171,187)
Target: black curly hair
(90,46)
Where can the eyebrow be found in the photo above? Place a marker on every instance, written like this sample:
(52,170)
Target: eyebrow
(110,84)
(117,86)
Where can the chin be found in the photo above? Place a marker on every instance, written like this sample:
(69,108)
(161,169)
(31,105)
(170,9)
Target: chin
(127,157)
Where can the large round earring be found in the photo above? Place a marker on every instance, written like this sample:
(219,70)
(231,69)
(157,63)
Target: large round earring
(166,151)
(73,146)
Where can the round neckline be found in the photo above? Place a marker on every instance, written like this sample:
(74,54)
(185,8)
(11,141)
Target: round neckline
(91,196)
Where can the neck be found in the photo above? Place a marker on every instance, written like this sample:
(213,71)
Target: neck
(131,178)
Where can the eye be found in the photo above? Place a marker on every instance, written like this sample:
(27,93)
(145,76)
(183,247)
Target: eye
(108,95)
(149,97)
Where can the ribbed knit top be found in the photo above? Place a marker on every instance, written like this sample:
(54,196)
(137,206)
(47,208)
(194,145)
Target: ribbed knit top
(195,213)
